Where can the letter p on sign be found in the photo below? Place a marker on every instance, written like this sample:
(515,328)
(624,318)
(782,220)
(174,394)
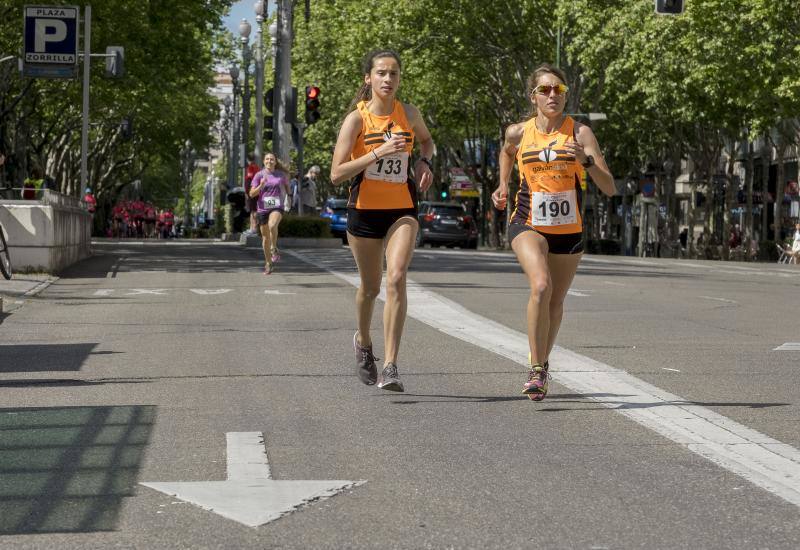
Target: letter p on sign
(48,30)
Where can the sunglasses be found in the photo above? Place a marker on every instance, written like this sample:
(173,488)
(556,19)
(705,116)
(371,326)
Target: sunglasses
(545,89)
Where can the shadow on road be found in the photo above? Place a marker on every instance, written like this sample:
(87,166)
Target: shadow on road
(43,357)
(577,398)
(67,469)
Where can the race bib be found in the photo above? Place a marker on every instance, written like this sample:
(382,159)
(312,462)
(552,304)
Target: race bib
(391,168)
(268,203)
(555,208)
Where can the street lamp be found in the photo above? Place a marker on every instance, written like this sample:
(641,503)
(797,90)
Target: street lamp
(259,9)
(244,33)
(234,162)
(273,39)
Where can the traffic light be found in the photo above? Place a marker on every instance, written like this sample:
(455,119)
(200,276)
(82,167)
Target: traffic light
(444,194)
(126,128)
(269,103)
(290,117)
(670,7)
(312,105)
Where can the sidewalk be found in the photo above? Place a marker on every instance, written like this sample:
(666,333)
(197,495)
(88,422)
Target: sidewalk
(14,292)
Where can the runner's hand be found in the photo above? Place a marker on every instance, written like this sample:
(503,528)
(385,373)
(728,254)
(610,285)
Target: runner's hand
(576,149)
(500,197)
(395,145)
(424,175)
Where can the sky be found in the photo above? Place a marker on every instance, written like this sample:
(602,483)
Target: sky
(243,9)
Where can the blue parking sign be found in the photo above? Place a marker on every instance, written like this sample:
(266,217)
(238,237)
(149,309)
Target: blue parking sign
(51,41)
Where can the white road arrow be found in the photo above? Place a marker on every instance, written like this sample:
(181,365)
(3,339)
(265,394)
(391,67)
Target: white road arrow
(250,496)
(210,291)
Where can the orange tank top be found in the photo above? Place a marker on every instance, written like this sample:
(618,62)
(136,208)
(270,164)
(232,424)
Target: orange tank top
(386,184)
(550,195)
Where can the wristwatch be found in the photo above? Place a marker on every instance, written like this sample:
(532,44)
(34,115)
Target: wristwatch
(427,161)
(589,161)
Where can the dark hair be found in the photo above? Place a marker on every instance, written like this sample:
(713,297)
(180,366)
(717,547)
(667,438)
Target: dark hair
(365,92)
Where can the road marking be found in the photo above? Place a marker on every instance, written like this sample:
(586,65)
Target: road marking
(765,462)
(788,346)
(277,292)
(138,291)
(104,292)
(250,495)
(571,292)
(719,299)
(613,283)
(210,291)
(673,370)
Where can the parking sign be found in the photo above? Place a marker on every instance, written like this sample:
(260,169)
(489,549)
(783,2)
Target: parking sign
(51,41)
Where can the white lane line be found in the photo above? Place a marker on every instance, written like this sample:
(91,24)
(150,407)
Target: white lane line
(576,292)
(210,291)
(669,369)
(788,346)
(766,462)
(613,283)
(277,292)
(719,299)
(104,292)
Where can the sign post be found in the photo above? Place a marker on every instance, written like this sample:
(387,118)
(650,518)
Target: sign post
(51,41)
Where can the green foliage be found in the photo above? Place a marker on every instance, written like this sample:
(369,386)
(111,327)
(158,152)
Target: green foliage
(305,227)
(169,68)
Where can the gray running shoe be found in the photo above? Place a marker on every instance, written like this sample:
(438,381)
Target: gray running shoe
(389,379)
(365,362)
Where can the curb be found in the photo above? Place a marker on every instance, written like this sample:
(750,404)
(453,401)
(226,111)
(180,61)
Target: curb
(28,294)
(254,241)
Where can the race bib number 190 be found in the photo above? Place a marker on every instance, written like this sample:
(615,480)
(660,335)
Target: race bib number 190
(391,168)
(555,208)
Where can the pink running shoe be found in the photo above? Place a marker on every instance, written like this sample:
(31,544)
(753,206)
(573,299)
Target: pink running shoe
(538,381)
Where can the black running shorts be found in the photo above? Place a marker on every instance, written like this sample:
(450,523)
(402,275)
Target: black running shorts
(569,243)
(375,224)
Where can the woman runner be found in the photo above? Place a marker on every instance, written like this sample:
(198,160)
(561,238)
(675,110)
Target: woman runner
(373,150)
(545,231)
(270,185)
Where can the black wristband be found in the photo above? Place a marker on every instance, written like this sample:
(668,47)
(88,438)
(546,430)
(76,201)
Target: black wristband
(426,161)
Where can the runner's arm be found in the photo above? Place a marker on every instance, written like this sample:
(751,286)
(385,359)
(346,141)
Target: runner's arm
(426,148)
(599,171)
(508,154)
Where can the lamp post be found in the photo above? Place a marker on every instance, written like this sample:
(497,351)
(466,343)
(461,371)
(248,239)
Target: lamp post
(259,9)
(234,162)
(244,33)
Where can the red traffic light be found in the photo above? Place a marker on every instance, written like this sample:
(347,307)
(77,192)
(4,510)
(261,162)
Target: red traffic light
(312,92)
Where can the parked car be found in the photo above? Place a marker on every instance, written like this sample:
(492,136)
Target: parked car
(446,223)
(335,210)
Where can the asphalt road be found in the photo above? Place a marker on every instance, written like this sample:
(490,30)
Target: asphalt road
(136,363)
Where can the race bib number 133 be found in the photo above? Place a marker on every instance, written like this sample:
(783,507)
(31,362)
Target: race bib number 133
(391,168)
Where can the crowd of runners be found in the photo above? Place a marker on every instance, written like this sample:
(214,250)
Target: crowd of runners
(141,220)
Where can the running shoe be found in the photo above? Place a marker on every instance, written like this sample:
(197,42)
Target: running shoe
(276,257)
(537,384)
(365,362)
(268,269)
(389,379)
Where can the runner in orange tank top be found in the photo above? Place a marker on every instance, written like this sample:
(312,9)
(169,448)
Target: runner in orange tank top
(374,150)
(552,151)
